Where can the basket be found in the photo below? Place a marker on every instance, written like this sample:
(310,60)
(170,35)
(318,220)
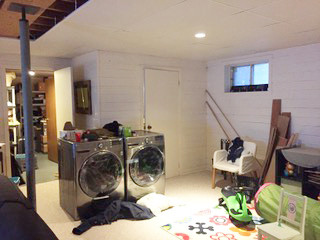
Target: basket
(15,180)
(21,159)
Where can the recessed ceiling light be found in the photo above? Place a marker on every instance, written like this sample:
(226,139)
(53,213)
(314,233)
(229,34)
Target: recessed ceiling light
(200,35)
(32,73)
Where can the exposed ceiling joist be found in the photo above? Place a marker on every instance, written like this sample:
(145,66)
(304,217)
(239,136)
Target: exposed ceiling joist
(62,6)
(1,3)
(41,28)
(44,21)
(52,12)
(77,3)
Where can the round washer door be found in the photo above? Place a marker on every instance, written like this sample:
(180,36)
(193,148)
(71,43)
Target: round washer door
(100,174)
(146,166)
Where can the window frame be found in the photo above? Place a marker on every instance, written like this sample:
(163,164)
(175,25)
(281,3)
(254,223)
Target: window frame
(229,75)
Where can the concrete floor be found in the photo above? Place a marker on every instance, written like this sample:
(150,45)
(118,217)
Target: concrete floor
(194,190)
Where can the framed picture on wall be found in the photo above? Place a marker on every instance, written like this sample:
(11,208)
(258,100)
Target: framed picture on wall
(82,92)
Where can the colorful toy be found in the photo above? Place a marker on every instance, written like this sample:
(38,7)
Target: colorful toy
(289,170)
(236,203)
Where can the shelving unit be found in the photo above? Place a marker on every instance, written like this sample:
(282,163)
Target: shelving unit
(309,178)
(39,109)
(14,124)
(312,183)
(39,113)
(11,102)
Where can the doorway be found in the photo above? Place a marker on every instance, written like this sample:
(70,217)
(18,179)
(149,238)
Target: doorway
(45,131)
(162,113)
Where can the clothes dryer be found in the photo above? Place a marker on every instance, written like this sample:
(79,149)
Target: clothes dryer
(145,164)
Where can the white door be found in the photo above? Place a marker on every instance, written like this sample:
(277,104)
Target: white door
(64,97)
(162,112)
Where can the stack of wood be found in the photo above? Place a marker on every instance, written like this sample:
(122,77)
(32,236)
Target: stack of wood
(279,137)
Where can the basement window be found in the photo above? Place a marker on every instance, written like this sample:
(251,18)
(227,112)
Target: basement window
(248,78)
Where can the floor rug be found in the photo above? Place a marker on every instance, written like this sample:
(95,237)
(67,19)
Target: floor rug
(210,224)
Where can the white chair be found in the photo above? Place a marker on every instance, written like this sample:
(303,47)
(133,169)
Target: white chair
(280,231)
(243,165)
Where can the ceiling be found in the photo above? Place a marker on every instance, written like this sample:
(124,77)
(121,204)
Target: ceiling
(166,28)
(49,13)
(11,28)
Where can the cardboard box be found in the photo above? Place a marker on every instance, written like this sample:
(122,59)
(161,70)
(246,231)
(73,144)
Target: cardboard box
(44,148)
(41,86)
(44,139)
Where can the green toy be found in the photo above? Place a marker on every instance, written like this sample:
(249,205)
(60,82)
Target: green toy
(236,203)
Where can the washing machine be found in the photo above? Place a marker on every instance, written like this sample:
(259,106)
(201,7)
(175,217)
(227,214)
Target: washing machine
(145,164)
(90,171)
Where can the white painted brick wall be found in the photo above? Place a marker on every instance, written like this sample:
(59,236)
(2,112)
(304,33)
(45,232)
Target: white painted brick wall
(295,78)
(85,67)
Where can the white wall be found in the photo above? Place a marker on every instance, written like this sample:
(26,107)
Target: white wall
(13,62)
(63,85)
(85,67)
(117,94)
(121,98)
(295,78)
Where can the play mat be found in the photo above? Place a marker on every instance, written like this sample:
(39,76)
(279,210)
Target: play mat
(210,223)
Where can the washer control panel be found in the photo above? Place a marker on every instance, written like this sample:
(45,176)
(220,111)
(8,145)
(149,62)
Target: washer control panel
(148,140)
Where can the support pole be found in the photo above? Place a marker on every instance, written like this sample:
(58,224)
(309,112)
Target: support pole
(27,107)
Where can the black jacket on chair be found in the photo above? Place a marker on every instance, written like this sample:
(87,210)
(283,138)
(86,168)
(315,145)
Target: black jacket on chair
(235,149)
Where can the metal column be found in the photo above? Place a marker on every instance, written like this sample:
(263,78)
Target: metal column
(27,107)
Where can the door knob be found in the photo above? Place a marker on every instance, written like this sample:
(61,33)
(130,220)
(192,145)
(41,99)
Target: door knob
(149,127)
